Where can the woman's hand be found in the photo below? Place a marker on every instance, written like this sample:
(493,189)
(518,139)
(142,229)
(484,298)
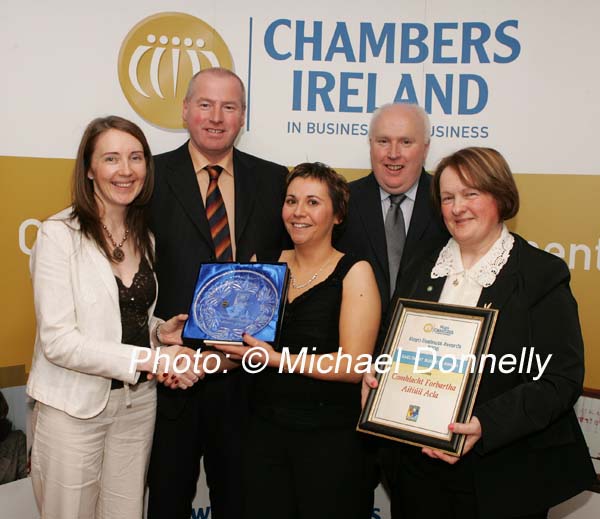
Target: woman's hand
(170,331)
(175,367)
(368,382)
(472,432)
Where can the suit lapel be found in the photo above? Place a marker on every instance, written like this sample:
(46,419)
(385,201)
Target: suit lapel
(421,216)
(426,288)
(181,177)
(245,194)
(101,268)
(369,208)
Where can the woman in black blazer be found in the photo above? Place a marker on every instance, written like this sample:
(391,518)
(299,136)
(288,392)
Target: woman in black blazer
(524,451)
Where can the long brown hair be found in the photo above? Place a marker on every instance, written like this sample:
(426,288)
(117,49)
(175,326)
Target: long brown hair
(85,208)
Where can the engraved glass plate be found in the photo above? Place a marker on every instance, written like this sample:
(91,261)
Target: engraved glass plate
(233,298)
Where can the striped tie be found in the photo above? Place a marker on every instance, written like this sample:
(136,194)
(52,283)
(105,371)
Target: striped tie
(217,216)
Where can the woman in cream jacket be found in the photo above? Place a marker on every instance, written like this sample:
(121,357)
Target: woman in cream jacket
(94,293)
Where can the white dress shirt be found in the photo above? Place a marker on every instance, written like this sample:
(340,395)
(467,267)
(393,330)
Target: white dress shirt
(407,205)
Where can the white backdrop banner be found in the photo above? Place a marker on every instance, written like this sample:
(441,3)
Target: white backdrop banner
(519,76)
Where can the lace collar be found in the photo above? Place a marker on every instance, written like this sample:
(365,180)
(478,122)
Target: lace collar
(484,272)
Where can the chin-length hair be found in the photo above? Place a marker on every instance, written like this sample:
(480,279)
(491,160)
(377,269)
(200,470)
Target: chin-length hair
(336,184)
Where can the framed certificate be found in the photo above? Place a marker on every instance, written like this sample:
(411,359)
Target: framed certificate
(235,298)
(431,380)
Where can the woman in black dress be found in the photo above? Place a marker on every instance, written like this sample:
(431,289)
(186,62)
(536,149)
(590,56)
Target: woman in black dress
(304,457)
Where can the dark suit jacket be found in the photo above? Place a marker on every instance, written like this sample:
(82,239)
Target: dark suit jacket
(532,454)
(183,239)
(364,232)
(181,228)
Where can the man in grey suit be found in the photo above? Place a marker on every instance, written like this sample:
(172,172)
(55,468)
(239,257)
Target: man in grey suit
(211,202)
(391,221)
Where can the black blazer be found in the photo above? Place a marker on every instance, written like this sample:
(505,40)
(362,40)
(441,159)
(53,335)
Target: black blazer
(364,231)
(532,454)
(181,228)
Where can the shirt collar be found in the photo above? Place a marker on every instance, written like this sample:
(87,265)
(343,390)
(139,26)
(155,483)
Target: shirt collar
(484,272)
(410,193)
(200,161)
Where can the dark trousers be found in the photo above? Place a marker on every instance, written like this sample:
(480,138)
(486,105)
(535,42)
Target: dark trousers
(419,486)
(322,473)
(210,422)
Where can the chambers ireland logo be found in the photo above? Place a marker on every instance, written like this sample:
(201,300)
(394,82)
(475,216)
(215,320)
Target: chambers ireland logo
(157,59)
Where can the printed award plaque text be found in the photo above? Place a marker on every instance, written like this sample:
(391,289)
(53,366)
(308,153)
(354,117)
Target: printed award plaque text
(432,381)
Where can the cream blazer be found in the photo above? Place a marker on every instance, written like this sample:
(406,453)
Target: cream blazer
(78,339)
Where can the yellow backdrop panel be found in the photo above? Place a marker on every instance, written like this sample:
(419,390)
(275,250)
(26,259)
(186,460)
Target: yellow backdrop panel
(31,188)
(558,213)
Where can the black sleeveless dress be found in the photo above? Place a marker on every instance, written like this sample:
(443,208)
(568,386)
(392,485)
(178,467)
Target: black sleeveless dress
(304,459)
(311,321)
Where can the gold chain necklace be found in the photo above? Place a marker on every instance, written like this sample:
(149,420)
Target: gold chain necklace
(313,277)
(117,253)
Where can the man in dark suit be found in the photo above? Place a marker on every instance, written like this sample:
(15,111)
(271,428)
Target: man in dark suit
(246,193)
(399,142)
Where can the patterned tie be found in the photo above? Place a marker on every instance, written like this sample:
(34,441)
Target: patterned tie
(217,216)
(395,236)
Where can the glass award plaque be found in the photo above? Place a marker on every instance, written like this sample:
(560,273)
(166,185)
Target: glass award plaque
(235,298)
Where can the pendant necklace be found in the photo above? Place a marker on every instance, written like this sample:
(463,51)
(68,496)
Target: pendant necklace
(117,253)
(313,277)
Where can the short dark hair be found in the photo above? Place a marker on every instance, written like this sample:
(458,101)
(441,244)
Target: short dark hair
(484,169)
(337,186)
(85,208)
